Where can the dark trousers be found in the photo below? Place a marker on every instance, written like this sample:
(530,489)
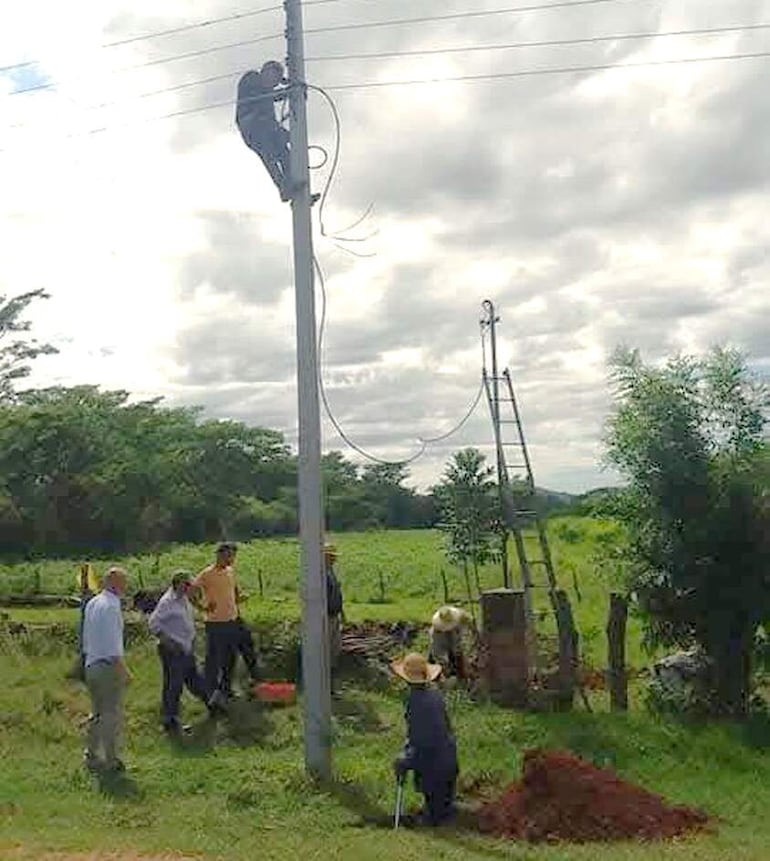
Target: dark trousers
(439,801)
(179,671)
(221,639)
(243,644)
(271,143)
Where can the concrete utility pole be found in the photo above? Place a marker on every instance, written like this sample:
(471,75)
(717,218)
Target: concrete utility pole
(491,321)
(315,640)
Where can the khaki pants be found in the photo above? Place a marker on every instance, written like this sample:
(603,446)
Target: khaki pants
(105,684)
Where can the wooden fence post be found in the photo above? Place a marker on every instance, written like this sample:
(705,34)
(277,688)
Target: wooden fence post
(568,645)
(617,678)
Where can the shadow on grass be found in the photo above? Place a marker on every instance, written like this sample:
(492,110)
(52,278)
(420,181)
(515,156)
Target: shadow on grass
(358,714)
(245,723)
(118,785)
(461,832)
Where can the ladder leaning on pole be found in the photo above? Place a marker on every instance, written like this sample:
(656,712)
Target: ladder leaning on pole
(520,510)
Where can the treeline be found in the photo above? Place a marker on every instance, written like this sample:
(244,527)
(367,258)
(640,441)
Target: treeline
(87,470)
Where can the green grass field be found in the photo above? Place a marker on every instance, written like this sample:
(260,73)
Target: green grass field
(237,789)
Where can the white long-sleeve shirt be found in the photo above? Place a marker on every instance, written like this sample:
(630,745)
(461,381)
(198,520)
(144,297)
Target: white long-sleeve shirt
(103,629)
(173,618)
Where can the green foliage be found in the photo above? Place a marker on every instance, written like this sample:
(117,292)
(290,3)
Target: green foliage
(688,437)
(89,471)
(16,355)
(468,509)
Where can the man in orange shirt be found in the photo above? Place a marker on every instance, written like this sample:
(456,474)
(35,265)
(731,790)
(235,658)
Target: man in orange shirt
(216,592)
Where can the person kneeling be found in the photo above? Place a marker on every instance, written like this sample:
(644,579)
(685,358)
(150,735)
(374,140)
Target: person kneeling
(430,750)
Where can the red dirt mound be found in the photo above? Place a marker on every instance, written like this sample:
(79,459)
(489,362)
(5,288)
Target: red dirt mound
(562,797)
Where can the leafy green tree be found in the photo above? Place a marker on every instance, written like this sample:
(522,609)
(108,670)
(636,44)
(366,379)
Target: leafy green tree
(467,505)
(16,354)
(688,436)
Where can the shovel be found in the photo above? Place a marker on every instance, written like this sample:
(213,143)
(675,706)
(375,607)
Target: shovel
(399,802)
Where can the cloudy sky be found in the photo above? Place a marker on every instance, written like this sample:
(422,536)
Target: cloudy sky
(594,207)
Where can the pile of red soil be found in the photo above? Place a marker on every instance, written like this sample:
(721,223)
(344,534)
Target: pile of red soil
(562,797)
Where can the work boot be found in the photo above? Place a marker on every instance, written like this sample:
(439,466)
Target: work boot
(92,762)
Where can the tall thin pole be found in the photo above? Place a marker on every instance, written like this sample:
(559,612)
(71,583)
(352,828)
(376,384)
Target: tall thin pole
(315,640)
(494,402)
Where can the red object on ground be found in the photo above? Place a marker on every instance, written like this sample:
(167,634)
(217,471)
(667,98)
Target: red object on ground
(563,797)
(282,693)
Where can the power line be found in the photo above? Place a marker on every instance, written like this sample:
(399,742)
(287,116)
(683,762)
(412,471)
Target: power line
(453,16)
(458,79)
(615,37)
(156,34)
(50,85)
(563,70)
(546,43)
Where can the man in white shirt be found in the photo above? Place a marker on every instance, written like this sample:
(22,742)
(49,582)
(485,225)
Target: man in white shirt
(173,623)
(105,672)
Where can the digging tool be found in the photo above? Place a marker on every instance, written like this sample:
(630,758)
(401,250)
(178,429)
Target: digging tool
(399,801)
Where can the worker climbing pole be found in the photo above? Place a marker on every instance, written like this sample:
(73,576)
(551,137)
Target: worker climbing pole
(259,93)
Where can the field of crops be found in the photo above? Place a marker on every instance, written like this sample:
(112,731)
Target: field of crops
(386,575)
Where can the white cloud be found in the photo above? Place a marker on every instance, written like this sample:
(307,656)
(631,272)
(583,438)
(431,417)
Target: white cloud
(594,208)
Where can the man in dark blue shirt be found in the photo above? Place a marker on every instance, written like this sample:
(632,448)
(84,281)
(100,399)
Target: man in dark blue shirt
(430,750)
(255,117)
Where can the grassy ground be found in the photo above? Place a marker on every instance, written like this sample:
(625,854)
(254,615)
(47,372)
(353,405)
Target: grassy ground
(237,789)
(386,575)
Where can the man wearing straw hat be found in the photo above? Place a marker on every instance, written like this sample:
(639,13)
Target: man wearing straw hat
(430,750)
(334,605)
(446,643)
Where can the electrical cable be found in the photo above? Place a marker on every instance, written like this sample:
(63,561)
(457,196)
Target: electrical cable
(266,9)
(544,43)
(324,153)
(424,441)
(461,423)
(325,400)
(333,171)
(464,78)
(454,16)
(561,70)
(51,85)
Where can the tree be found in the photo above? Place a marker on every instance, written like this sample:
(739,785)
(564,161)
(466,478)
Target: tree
(689,438)
(468,511)
(16,355)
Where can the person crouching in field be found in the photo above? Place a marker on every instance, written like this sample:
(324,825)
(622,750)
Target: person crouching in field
(173,623)
(430,750)
(446,639)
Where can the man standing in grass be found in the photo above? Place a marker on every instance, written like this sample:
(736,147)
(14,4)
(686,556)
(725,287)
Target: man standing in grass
(216,591)
(172,622)
(334,606)
(106,673)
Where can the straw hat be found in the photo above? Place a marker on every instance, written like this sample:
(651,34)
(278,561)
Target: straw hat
(330,550)
(415,669)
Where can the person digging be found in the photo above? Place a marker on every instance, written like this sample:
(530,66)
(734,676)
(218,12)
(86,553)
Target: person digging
(446,640)
(430,751)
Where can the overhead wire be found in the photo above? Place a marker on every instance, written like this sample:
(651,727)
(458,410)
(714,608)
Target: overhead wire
(183,28)
(455,16)
(415,82)
(543,43)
